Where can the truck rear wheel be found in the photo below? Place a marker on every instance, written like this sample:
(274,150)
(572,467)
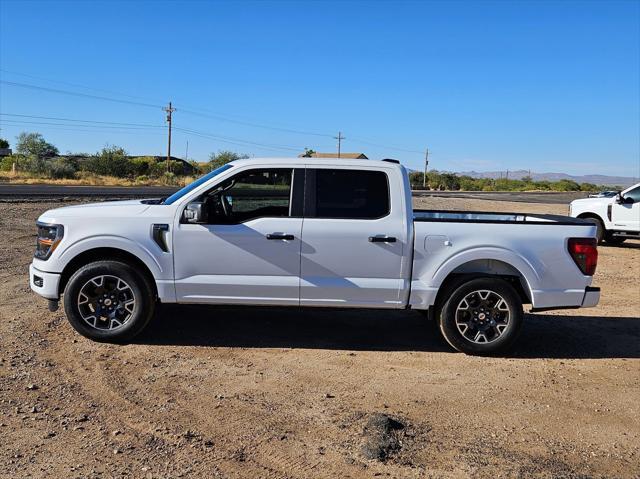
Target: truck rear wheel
(108,301)
(613,240)
(482,316)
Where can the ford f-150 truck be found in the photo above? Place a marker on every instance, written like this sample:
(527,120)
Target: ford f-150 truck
(616,218)
(311,233)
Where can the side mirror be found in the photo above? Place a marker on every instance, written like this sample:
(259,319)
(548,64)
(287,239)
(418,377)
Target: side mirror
(619,199)
(195,212)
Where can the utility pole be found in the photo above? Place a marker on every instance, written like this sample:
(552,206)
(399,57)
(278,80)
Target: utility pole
(186,152)
(426,165)
(169,111)
(339,138)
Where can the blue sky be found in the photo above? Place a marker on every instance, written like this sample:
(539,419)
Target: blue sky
(546,86)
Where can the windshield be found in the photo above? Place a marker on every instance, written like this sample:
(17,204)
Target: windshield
(191,186)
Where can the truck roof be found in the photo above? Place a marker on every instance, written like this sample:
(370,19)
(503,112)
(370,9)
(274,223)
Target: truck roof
(315,161)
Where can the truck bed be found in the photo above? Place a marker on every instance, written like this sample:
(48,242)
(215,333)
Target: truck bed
(463,242)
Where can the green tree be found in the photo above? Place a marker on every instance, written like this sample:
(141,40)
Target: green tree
(4,143)
(588,187)
(308,153)
(110,161)
(223,157)
(34,144)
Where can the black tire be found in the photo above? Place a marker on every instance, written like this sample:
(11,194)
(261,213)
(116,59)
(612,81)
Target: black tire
(490,324)
(613,240)
(600,231)
(138,288)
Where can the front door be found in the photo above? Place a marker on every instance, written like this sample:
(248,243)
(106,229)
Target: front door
(352,240)
(248,252)
(626,216)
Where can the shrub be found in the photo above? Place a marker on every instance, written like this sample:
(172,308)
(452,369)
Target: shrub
(169,179)
(6,164)
(110,161)
(142,165)
(59,168)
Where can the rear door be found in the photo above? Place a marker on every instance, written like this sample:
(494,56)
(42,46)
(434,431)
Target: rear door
(353,238)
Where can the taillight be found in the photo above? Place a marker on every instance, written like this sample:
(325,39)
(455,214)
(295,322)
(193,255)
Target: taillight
(584,252)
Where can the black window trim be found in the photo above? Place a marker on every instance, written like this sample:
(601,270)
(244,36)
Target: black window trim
(310,194)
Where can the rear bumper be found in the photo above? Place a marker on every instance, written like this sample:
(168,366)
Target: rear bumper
(45,284)
(590,298)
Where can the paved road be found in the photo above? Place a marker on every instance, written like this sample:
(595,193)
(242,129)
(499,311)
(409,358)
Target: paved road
(41,192)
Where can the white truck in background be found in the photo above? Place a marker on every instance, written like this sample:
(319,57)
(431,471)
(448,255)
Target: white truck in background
(312,233)
(616,218)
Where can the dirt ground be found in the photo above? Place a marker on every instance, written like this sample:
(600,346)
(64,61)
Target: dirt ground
(288,393)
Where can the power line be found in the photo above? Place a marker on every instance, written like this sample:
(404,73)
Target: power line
(394,148)
(78,128)
(74,84)
(192,111)
(85,95)
(255,125)
(237,141)
(28,122)
(82,121)
(136,126)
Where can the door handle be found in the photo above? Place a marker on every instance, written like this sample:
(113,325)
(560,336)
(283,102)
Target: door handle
(382,239)
(279,236)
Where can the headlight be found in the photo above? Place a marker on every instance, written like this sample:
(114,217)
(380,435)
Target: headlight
(49,237)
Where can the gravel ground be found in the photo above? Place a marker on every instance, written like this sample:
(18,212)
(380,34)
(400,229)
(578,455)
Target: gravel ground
(287,393)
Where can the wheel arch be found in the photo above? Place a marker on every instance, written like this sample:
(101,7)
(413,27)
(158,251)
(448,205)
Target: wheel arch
(494,263)
(105,253)
(591,214)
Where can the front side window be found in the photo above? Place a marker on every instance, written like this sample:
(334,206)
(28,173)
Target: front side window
(353,194)
(249,195)
(634,193)
(192,186)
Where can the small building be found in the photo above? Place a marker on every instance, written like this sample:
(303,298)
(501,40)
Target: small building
(5,152)
(348,156)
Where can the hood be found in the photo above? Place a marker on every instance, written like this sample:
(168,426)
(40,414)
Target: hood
(593,201)
(107,209)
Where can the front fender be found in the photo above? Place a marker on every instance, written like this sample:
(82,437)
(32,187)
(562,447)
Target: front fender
(157,269)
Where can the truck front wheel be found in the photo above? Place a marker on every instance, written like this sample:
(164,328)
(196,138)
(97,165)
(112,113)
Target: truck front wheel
(481,316)
(108,301)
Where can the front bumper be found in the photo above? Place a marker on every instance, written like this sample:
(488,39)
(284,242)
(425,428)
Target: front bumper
(45,284)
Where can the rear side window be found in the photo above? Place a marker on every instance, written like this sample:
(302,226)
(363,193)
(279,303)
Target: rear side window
(354,194)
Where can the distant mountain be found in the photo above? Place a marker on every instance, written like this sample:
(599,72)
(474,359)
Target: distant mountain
(519,174)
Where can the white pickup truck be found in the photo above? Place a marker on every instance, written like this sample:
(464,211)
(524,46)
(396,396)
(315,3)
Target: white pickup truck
(616,218)
(317,233)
